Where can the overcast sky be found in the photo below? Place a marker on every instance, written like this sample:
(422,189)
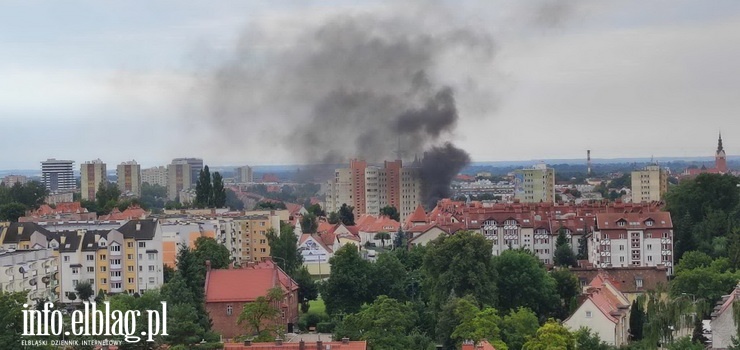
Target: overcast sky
(90,79)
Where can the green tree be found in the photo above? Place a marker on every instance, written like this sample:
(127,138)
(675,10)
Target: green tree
(386,324)
(11,319)
(207,249)
(316,210)
(388,277)
(191,271)
(582,248)
(309,224)
(333,218)
(31,194)
(167,273)
(563,255)
(518,326)
(391,212)
(346,215)
(551,336)
(525,282)
(708,283)
(307,288)
(400,240)
(219,192)
(685,343)
(382,236)
(586,340)
(84,290)
(261,318)
(284,249)
(637,320)
(107,196)
(233,201)
(12,211)
(482,325)
(461,262)
(568,288)
(204,189)
(347,287)
(452,313)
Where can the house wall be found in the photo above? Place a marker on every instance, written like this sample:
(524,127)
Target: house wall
(428,236)
(723,329)
(598,322)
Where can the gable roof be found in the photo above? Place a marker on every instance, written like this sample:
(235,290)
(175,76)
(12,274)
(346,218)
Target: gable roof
(418,215)
(245,284)
(146,231)
(22,231)
(600,294)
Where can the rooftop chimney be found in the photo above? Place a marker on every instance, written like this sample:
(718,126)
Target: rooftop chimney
(345,340)
(278,341)
(247,343)
(301,345)
(208,265)
(319,345)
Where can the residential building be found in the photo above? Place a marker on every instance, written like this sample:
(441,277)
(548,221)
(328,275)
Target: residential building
(129,178)
(316,250)
(58,175)
(634,281)
(184,233)
(92,174)
(632,239)
(11,180)
(603,309)
(244,174)
(124,260)
(178,179)
(535,185)
(228,290)
(34,271)
(251,244)
(649,184)
(59,197)
(535,226)
(155,176)
(723,324)
(196,165)
(369,188)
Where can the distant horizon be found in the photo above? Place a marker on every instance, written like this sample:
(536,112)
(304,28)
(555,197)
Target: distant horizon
(494,163)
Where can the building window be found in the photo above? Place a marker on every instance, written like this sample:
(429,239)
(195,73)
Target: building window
(142,244)
(229,310)
(103,257)
(638,282)
(92,281)
(151,268)
(152,256)
(75,271)
(115,273)
(66,258)
(90,269)
(130,280)
(588,314)
(130,268)
(130,244)
(116,285)
(90,257)
(115,262)
(74,282)
(115,248)
(103,281)
(151,280)
(130,256)
(103,269)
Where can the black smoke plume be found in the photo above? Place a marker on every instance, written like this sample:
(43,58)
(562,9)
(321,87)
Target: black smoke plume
(351,86)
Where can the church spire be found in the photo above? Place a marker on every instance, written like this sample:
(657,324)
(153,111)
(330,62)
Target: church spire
(719,143)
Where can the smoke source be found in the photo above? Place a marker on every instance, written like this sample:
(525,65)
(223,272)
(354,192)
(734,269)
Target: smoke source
(350,86)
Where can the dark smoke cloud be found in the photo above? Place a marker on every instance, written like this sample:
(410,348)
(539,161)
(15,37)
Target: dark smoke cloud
(352,86)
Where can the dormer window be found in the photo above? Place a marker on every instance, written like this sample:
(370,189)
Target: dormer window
(621,223)
(649,222)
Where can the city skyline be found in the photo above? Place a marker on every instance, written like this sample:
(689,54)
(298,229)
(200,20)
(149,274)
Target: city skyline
(119,76)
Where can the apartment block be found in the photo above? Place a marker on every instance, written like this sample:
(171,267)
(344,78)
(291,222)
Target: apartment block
(246,237)
(649,184)
(57,175)
(92,174)
(368,188)
(155,176)
(178,179)
(125,260)
(244,174)
(33,271)
(196,165)
(632,239)
(535,185)
(10,180)
(129,178)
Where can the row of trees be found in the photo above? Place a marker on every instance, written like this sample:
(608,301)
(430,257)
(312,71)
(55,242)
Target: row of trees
(16,199)
(209,193)
(451,285)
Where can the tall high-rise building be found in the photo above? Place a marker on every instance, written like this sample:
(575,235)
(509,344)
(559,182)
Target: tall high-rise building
(196,165)
(155,176)
(92,174)
(178,179)
(244,174)
(368,188)
(129,178)
(535,185)
(57,175)
(649,184)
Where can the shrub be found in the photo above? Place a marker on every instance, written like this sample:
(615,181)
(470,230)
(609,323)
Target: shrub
(325,327)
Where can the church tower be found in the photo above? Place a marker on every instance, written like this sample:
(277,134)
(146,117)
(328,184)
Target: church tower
(720,159)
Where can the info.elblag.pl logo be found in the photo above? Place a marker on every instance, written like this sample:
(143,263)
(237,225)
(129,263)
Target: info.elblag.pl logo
(93,322)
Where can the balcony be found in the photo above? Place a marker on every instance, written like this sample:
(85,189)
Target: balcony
(115,266)
(116,278)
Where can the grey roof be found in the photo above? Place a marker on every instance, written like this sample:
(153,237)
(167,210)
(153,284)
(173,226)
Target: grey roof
(144,232)
(12,236)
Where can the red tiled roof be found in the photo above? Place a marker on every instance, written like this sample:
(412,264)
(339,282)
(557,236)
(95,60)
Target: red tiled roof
(637,220)
(381,224)
(418,215)
(245,284)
